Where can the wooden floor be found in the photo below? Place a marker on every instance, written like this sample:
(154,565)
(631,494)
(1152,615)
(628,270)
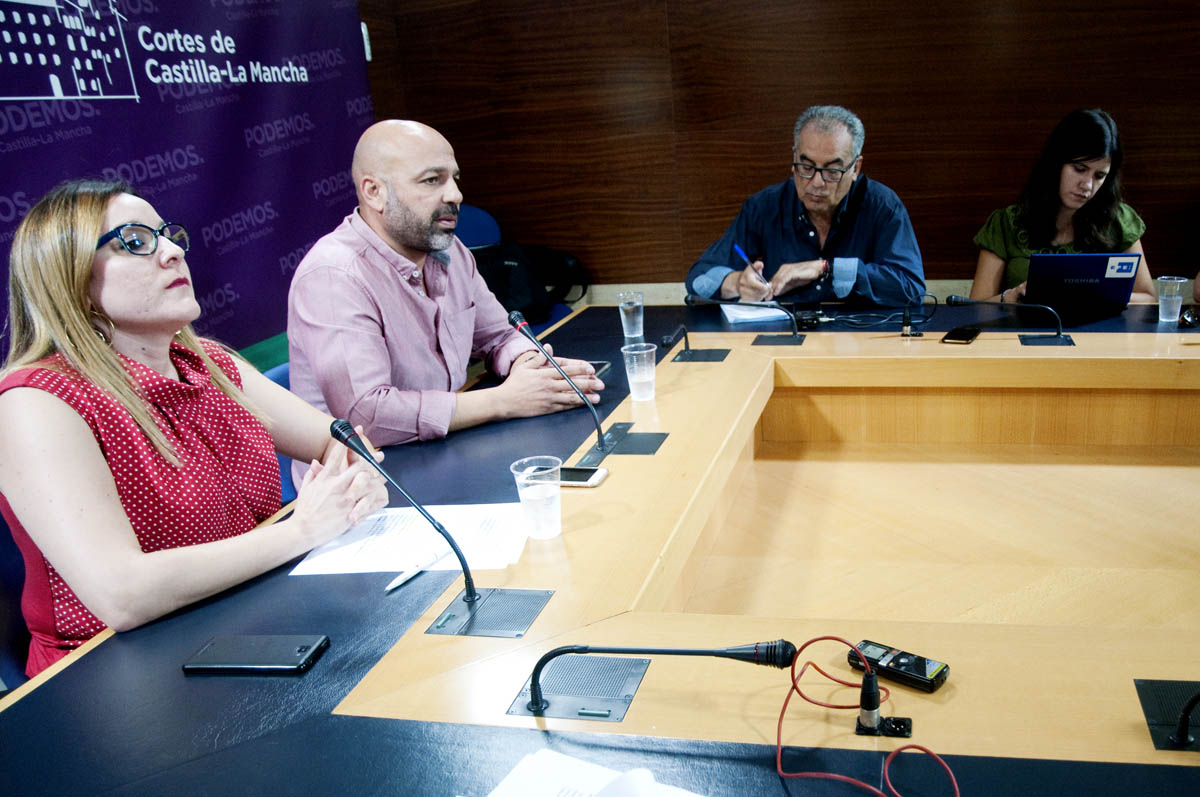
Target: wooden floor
(1027,535)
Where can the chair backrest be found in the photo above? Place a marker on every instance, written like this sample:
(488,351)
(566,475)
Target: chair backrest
(476,227)
(281,375)
(14,636)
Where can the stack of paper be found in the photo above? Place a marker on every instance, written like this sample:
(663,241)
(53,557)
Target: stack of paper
(745,314)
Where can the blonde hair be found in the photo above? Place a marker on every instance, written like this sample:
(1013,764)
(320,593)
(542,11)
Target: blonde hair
(50,309)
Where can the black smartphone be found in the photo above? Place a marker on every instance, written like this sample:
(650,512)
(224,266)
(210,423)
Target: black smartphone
(961,335)
(257,654)
(602,367)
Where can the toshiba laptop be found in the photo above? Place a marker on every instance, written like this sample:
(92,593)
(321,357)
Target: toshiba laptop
(1082,287)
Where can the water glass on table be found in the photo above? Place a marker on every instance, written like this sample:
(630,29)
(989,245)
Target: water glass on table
(1170,298)
(538,487)
(639,367)
(631,305)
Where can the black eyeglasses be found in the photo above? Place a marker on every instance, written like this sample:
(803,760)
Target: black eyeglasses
(141,239)
(808,170)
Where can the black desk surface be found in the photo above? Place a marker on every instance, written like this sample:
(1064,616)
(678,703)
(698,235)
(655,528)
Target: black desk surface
(124,718)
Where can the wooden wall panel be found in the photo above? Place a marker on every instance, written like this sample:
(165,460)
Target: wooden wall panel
(560,118)
(629,132)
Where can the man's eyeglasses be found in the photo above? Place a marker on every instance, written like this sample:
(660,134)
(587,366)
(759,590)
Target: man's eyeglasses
(808,170)
(140,239)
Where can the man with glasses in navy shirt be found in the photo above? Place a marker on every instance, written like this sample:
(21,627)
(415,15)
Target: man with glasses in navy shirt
(829,233)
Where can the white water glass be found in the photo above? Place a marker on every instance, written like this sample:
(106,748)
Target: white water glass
(538,487)
(639,367)
(632,308)
(1170,298)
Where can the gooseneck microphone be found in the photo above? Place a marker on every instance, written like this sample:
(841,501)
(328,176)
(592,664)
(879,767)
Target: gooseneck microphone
(1182,737)
(693,300)
(669,340)
(771,654)
(521,325)
(344,433)
(1058,337)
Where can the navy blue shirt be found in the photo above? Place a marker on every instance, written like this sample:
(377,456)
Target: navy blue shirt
(871,246)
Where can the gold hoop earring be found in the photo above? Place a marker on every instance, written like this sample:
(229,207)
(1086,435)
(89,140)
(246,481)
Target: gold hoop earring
(107,337)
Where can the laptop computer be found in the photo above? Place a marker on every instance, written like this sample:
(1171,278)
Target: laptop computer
(1082,287)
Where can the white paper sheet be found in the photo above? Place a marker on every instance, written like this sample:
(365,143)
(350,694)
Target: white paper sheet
(492,537)
(547,773)
(744,314)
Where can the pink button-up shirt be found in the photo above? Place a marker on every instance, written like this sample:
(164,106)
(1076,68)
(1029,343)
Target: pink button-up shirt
(366,345)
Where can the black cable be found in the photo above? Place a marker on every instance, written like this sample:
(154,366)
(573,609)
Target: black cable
(874,319)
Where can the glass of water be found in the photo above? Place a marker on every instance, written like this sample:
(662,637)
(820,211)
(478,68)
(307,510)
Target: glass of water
(639,367)
(631,306)
(1170,298)
(538,488)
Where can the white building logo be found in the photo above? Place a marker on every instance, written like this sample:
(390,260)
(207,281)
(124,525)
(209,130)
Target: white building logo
(62,50)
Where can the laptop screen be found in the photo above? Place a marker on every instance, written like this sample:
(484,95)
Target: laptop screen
(1082,286)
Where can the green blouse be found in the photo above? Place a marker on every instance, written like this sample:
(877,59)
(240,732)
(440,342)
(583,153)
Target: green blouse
(1009,241)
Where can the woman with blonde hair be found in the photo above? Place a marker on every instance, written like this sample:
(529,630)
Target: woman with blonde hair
(136,458)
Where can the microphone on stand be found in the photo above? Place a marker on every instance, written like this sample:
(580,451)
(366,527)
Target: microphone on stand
(518,322)
(1181,737)
(693,300)
(344,433)
(1050,339)
(773,654)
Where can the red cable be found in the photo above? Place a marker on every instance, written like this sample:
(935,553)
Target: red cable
(794,686)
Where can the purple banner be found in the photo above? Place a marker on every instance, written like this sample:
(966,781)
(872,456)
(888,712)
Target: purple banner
(235,118)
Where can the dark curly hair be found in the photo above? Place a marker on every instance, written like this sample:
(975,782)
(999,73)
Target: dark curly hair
(1082,135)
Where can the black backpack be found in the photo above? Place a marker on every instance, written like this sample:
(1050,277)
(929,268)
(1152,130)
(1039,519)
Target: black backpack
(530,278)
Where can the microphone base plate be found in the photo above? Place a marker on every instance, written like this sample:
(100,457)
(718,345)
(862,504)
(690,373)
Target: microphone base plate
(570,685)
(1046,340)
(778,340)
(506,613)
(620,440)
(1162,701)
(700,356)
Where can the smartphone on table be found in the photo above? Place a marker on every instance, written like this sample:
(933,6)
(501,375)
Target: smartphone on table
(257,654)
(961,335)
(581,477)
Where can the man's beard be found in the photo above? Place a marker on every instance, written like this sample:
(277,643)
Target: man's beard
(411,231)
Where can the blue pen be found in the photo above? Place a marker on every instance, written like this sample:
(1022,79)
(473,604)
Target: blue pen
(742,255)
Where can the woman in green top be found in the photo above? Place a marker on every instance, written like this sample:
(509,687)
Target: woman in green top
(1071,203)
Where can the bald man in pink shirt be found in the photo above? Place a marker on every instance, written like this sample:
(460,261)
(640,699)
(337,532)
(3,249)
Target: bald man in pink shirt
(385,312)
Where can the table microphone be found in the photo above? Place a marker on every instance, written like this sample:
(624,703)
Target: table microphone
(521,325)
(344,433)
(1181,737)
(693,300)
(772,654)
(961,301)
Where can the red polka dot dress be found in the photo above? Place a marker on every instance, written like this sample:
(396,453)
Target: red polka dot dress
(227,481)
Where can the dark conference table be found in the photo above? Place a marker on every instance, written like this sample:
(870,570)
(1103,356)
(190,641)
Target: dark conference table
(123,719)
